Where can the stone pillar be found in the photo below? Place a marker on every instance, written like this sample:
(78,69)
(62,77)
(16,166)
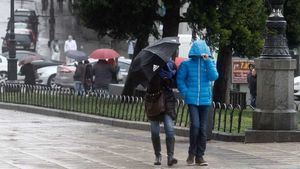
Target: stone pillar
(275,96)
(274,119)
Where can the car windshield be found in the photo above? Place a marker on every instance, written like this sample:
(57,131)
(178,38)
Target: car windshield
(21,26)
(21,19)
(26,13)
(23,54)
(23,38)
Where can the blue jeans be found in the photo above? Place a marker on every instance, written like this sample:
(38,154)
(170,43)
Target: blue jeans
(78,86)
(253,101)
(198,127)
(168,126)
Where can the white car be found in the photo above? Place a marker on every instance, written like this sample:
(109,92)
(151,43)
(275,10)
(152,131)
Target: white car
(297,86)
(43,72)
(3,70)
(46,75)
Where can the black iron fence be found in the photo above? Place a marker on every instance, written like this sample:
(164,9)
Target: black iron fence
(226,117)
(238,98)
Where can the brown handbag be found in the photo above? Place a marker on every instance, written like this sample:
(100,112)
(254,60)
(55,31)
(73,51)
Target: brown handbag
(154,104)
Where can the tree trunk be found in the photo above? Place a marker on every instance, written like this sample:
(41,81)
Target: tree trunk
(129,86)
(172,18)
(222,84)
(141,43)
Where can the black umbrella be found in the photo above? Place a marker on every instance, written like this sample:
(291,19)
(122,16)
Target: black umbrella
(149,61)
(77,55)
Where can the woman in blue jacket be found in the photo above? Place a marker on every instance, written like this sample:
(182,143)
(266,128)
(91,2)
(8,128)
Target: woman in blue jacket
(194,81)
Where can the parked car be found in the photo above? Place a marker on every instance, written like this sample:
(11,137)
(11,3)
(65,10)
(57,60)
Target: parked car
(46,76)
(38,64)
(64,76)
(28,16)
(25,40)
(3,69)
(297,87)
(22,25)
(27,12)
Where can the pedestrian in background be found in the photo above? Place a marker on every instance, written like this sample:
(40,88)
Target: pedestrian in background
(103,73)
(29,72)
(251,67)
(88,76)
(130,51)
(79,78)
(70,44)
(160,94)
(55,51)
(194,81)
(252,87)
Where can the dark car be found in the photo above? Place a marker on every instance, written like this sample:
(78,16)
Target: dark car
(27,19)
(25,40)
(28,12)
(27,16)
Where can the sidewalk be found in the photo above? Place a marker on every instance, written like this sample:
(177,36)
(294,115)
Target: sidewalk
(36,141)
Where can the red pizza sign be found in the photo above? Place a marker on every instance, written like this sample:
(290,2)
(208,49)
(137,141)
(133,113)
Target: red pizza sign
(240,69)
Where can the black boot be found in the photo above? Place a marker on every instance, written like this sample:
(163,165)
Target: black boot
(157,149)
(170,151)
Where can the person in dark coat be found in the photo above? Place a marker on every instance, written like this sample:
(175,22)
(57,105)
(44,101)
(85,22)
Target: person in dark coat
(103,72)
(29,72)
(88,76)
(251,67)
(253,87)
(163,82)
(78,78)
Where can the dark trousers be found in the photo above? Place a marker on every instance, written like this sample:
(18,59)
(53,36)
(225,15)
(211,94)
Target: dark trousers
(198,127)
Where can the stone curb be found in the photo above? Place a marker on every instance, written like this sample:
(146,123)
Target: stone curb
(179,131)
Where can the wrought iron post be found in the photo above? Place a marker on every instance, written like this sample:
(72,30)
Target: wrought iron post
(274,118)
(12,61)
(276,42)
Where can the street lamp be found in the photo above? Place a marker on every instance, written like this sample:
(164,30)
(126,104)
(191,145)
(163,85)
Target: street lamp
(12,61)
(276,42)
(274,119)
(52,22)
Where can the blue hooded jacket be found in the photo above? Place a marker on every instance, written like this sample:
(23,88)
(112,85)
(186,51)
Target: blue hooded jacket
(195,75)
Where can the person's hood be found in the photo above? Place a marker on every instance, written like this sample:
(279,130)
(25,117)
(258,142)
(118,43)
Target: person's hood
(199,48)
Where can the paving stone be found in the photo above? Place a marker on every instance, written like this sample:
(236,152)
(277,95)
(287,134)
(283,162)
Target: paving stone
(36,141)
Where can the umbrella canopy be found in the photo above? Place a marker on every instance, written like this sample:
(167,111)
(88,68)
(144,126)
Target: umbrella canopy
(77,55)
(29,59)
(104,54)
(179,60)
(149,61)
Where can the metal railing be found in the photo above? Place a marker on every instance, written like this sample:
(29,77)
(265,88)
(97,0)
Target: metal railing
(226,118)
(238,98)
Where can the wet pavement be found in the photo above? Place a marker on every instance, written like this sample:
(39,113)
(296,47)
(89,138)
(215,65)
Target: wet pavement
(36,141)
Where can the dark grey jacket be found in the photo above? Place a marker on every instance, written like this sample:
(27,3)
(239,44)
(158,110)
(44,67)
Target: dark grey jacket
(103,73)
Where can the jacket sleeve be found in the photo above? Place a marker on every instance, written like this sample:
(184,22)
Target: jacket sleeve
(181,79)
(211,69)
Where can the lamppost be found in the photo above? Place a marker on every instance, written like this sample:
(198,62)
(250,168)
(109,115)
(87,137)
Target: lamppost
(52,22)
(274,119)
(12,61)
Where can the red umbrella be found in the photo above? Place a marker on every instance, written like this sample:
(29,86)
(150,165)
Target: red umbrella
(104,54)
(178,61)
